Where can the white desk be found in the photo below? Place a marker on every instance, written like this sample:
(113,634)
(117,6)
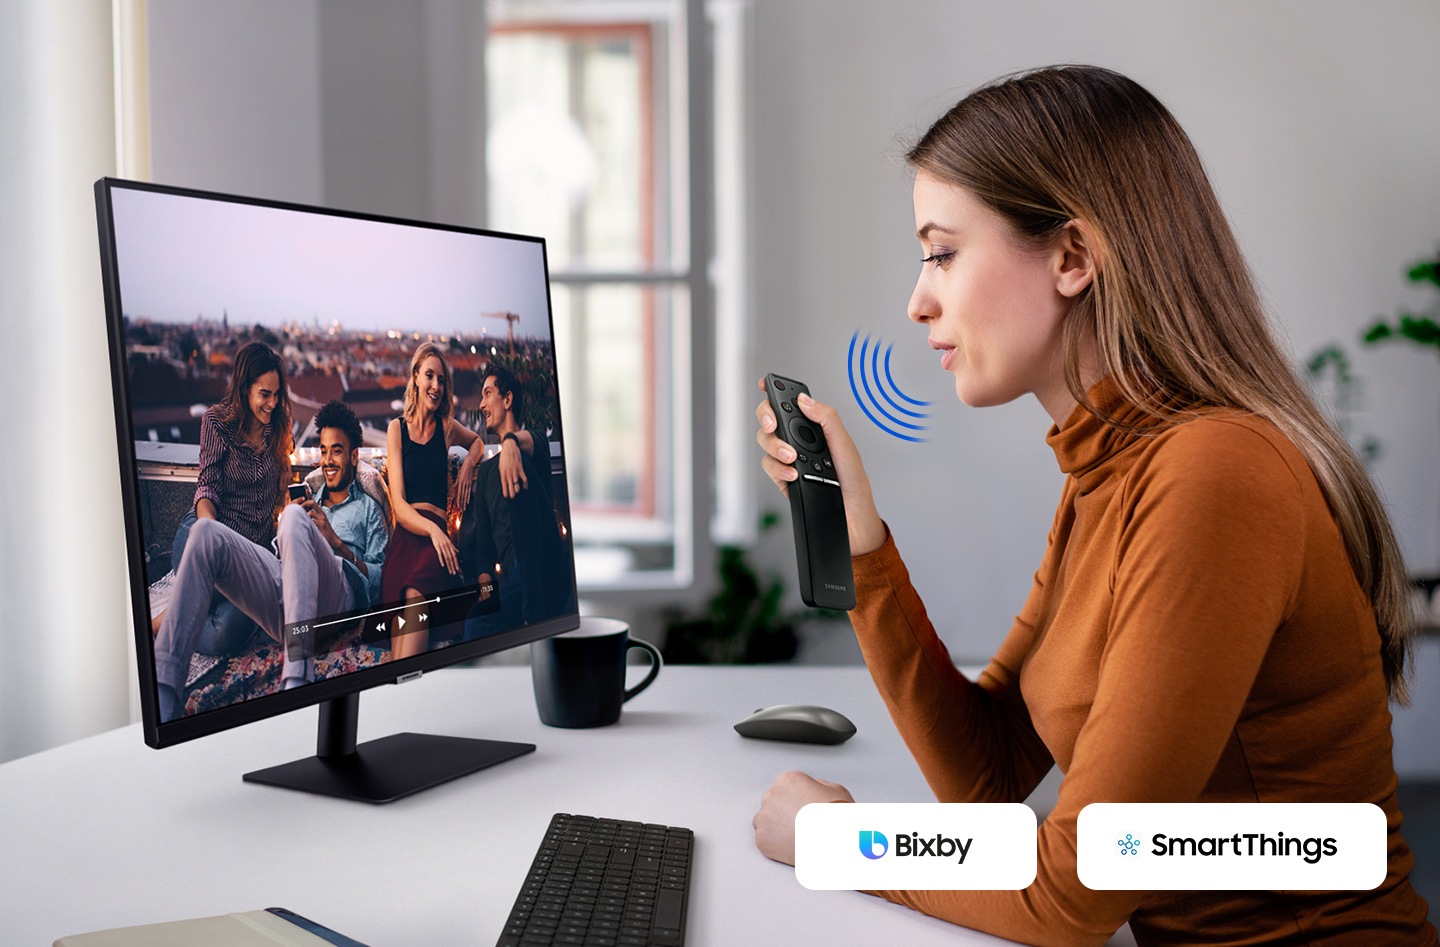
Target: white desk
(107,832)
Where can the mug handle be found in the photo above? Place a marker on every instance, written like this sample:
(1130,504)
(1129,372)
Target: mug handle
(656,663)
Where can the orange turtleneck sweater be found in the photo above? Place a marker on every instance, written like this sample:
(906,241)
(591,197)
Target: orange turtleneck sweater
(1194,633)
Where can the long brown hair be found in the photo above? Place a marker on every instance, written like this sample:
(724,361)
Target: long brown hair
(252,361)
(1173,307)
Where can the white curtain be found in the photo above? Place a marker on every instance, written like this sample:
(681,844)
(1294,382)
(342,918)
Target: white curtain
(65,639)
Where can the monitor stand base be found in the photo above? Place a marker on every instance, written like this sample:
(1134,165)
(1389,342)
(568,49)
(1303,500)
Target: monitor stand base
(386,769)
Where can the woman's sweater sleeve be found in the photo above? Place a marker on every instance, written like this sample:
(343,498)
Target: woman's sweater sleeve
(973,740)
(1207,568)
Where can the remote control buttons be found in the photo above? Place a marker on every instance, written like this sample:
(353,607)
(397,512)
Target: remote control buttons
(805,434)
(787,407)
(801,458)
(779,385)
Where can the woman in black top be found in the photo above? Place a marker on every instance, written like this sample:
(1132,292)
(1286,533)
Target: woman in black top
(421,560)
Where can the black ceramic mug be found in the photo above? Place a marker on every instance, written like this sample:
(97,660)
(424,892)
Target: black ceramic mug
(579,676)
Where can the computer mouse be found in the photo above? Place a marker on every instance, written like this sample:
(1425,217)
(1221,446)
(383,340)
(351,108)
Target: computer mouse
(797,723)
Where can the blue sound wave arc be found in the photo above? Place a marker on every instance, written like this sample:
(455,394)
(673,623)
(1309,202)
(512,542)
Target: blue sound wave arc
(865,382)
(875,372)
(903,397)
(851,362)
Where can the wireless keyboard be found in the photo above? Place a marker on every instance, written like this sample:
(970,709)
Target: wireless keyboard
(604,882)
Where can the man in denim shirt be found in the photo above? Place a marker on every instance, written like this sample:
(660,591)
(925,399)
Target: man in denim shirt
(350,523)
(330,556)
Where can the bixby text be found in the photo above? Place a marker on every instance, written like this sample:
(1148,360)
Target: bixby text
(939,846)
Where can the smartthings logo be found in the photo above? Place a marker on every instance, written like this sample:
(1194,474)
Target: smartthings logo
(1247,845)
(1232,846)
(915,846)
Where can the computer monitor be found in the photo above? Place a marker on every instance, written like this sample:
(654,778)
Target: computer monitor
(342,466)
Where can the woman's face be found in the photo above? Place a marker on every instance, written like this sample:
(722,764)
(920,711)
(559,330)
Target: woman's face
(265,397)
(430,381)
(993,307)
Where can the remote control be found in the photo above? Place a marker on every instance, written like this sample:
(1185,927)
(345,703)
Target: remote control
(822,539)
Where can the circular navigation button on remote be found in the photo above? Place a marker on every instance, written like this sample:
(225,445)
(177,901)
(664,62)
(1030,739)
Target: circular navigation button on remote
(805,434)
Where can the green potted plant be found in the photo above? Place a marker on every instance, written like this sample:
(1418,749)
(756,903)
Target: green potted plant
(745,622)
(1343,393)
(1420,328)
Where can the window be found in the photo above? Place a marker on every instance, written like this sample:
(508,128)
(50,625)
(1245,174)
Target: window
(594,141)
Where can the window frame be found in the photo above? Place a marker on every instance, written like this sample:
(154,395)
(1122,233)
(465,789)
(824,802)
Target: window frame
(696,363)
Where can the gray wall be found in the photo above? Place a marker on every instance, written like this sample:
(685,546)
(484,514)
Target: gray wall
(235,97)
(361,104)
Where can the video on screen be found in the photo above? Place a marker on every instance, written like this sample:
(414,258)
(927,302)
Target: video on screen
(347,440)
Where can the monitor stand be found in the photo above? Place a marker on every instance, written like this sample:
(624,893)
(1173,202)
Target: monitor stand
(382,770)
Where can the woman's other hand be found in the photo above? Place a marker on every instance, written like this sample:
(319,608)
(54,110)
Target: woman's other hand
(867,530)
(775,822)
(445,549)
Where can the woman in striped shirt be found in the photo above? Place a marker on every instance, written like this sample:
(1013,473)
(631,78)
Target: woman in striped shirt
(245,444)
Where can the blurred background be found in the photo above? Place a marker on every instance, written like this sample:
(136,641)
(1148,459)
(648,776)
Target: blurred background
(720,188)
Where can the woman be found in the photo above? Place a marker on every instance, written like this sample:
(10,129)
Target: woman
(421,560)
(245,445)
(1221,594)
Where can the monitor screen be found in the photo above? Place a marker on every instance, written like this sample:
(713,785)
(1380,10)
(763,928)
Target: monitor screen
(341,449)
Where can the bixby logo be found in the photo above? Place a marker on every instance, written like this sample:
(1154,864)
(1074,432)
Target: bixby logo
(869,841)
(915,846)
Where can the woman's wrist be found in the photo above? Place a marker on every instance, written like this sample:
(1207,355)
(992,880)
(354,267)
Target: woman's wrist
(869,533)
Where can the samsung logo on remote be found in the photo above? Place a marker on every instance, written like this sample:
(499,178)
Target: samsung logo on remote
(874,845)
(837,588)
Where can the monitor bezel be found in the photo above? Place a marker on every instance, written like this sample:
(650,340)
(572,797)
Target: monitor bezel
(183,729)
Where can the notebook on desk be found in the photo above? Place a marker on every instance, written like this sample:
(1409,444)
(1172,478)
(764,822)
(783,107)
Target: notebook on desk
(272,927)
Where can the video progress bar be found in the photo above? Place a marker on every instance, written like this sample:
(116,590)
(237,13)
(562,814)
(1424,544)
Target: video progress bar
(398,608)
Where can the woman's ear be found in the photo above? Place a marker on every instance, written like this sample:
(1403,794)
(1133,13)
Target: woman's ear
(1077,258)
